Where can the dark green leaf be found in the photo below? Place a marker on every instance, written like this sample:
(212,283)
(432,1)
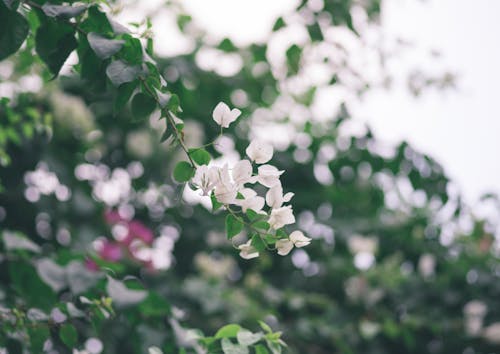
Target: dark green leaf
(123,95)
(11,4)
(215,203)
(278,24)
(96,21)
(200,156)
(131,51)
(54,43)
(155,305)
(233,226)
(13,31)
(120,72)
(38,335)
(142,105)
(293,55)
(183,171)
(63,11)
(104,47)
(258,243)
(68,335)
(263,225)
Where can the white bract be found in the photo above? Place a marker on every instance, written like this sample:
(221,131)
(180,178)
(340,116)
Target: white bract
(224,116)
(269,175)
(229,185)
(259,151)
(281,217)
(284,246)
(275,197)
(299,239)
(247,251)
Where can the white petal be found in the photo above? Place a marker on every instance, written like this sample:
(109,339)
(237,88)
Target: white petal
(274,196)
(242,171)
(287,197)
(259,151)
(299,239)
(284,246)
(219,112)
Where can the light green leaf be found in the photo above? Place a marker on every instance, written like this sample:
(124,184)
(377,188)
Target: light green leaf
(228,331)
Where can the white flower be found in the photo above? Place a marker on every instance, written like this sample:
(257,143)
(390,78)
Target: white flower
(205,178)
(359,244)
(259,151)
(284,246)
(281,217)
(251,200)
(242,172)
(225,193)
(225,116)
(268,175)
(247,251)
(427,265)
(299,239)
(492,333)
(275,197)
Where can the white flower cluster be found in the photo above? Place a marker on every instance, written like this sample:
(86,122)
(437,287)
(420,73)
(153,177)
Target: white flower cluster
(231,187)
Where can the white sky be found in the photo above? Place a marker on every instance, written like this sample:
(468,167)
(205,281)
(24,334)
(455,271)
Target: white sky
(460,128)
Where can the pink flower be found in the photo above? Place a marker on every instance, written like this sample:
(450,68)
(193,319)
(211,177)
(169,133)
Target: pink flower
(137,229)
(110,251)
(112,217)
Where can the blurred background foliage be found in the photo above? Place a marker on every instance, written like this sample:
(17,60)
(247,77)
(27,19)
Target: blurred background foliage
(399,264)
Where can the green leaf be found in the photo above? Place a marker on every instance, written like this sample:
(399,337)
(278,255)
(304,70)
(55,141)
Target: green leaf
(252,215)
(63,11)
(122,295)
(280,23)
(54,42)
(228,331)
(260,349)
(258,243)
(200,156)
(123,95)
(142,105)
(131,50)
(263,225)
(265,327)
(68,335)
(183,171)
(13,31)
(102,46)
(215,203)
(120,72)
(38,335)
(293,55)
(154,305)
(227,45)
(96,21)
(233,226)
(230,348)
(26,282)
